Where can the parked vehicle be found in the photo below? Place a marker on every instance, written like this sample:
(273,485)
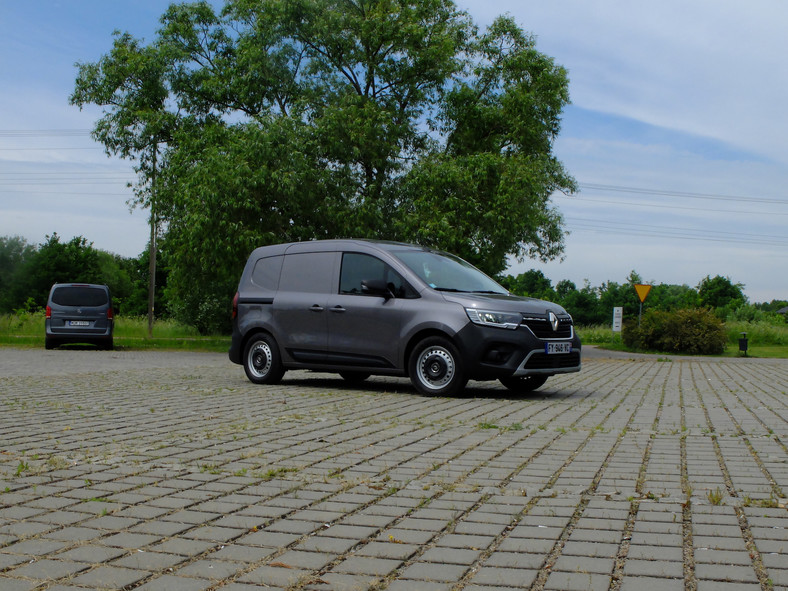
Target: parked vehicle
(79,313)
(361,307)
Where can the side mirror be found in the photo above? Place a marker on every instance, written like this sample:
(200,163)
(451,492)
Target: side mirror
(376,287)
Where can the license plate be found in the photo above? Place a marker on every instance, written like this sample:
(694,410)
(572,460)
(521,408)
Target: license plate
(78,323)
(557,348)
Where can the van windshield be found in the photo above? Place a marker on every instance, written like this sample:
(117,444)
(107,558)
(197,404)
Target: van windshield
(445,272)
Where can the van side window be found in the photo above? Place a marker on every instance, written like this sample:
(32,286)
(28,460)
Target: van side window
(266,273)
(308,272)
(358,267)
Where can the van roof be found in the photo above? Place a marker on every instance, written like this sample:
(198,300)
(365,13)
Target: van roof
(334,244)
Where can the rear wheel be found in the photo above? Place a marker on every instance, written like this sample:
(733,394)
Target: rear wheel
(50,343)
(262,362)
(435,368)
(524,384)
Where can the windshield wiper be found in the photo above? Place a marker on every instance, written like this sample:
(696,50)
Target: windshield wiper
(455,290)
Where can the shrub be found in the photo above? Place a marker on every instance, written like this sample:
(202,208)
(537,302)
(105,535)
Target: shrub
(689,331)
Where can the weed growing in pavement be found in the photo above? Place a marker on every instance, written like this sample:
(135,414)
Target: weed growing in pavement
(272,473)
(715,496)
(770,503)
(22,467)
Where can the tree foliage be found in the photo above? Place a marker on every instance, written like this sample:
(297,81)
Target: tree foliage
(28,272)
(594,305)
(720,293)
(301,119)
(689,331)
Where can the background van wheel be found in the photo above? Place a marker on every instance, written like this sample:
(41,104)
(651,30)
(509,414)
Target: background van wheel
(435,367)
(524,384)
(262,362)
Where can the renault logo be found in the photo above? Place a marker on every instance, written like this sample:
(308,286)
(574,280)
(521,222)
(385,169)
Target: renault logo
(553,321)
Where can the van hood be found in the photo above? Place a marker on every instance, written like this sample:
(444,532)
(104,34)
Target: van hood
(503,303)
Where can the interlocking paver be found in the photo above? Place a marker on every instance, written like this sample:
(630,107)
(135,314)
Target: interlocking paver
(172,471)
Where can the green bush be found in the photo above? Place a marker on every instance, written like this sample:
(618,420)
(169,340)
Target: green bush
(689,331)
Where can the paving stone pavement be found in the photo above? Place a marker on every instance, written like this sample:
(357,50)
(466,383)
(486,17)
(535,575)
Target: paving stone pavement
(169,471)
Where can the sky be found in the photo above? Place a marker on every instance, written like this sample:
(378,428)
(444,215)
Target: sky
(676,134)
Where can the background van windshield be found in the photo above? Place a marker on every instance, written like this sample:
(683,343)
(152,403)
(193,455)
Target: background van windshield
(79,296)
(448,273)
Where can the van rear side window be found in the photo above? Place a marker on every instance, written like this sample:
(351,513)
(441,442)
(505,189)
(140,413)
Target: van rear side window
(266,273)
(80,296)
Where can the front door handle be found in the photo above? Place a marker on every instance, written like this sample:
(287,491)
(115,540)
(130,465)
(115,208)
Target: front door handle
(338,309)
(316,308)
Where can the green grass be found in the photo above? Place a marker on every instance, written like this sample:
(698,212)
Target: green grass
(764,339)
(27,330)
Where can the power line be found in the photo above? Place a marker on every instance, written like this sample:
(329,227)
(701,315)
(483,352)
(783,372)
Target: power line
(44,132)
(640,230)
(664,193)
(677,207)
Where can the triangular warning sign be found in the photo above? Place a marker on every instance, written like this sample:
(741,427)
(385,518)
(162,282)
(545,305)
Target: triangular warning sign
(642,291)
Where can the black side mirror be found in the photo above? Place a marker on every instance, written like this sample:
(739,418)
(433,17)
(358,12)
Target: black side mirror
(376,287)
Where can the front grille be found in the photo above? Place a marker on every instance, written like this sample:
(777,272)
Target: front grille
(542,328)
(543,361)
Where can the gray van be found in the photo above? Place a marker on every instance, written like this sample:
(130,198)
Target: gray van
(362,307)
(79,313)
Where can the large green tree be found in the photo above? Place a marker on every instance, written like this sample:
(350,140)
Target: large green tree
(301,119)
(720,293)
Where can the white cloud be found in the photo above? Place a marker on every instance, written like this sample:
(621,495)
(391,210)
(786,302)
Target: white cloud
(708,67)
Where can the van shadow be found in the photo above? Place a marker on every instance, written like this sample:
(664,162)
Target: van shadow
(401,386)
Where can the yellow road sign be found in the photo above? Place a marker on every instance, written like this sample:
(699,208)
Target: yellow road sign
(642,291)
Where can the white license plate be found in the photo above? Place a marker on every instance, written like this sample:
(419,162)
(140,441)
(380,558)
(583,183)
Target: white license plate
(557,348)
(78,323)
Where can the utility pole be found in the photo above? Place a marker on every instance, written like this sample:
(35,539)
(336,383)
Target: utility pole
(152,248)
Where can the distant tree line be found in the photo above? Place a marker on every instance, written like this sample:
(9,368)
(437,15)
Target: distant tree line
(594,305)
(27,272)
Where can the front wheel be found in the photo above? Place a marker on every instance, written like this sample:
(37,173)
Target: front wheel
(435,368)
(262,362)
(524,384)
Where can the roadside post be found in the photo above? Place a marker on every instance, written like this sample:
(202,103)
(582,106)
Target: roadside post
(618,316)
(643,291)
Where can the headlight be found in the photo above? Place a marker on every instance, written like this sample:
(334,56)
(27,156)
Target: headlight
(497,319)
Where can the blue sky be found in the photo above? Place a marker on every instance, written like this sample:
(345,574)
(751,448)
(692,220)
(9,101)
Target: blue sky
(676,134)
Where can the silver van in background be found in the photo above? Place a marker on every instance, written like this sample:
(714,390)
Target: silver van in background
(79,313)
(362,307)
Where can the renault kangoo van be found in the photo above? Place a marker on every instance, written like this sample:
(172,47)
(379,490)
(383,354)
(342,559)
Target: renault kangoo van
(361,307)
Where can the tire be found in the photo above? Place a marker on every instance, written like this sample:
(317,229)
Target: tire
(524,384)
(435,368)
(354,377)
(50,344)
(262,362)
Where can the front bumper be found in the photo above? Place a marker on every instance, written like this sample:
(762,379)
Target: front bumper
(492,353)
